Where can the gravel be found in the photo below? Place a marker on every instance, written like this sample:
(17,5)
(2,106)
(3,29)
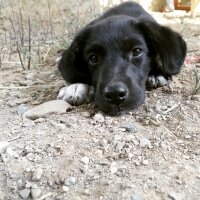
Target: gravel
(149,153)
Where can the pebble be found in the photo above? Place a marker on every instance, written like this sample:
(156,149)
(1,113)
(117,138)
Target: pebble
(30,156)
(113,168)
(117,137)
(3,146)
(85,114)
(120,146)
(70,181)
(136,197)
(50,107)
(10,153)
(174,196)
(24,194)
(65,188)
(13,103)
(196,97)
(28,185)
(144,142)
(35,193)
(85,160)
(145,162)
(37,174)
(28,123)
(99,118)
(21,109)
(130,128)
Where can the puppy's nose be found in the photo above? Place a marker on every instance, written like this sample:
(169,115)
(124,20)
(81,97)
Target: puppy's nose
(116,93)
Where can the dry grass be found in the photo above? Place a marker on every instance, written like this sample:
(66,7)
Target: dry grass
(32,30)
(196,87)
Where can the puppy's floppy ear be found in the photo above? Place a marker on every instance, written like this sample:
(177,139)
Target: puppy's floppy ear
(72,65)
(165,43)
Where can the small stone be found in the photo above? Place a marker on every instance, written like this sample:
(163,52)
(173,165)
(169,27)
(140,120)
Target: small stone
(10,153)
(99,153)
(3,146)
(196,97)
(136,197)
(85,160)
(144,142)
(188,136)
(130,128)
(137,163)
(45,109)
(28,185)
(70,181)
(24,194)
(65,188)
(85,114)
(174,196)
(21,109)
(37,174)
(99,118)
(87,192)
(113,168)
(35,193)
(120,146)
(145,162)
(117,138)
(40,120)
(30,156)
(28,123)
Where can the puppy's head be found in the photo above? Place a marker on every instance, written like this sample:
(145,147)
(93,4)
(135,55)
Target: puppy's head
(115,56)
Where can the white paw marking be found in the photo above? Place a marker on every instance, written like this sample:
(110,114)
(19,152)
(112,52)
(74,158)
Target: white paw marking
(76,94)
(157,81)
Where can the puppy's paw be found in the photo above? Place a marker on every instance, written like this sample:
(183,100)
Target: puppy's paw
(157,81)
(76,94)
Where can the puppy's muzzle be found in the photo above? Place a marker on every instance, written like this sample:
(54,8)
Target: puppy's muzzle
(115,93)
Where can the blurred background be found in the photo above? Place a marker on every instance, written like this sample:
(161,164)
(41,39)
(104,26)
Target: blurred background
(31,31)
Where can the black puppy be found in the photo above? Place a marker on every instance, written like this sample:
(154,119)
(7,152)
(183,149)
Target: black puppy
(119,54)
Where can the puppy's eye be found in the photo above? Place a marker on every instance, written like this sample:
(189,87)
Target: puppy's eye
(93,59)
(136,51)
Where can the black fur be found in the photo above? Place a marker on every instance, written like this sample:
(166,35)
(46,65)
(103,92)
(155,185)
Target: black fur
(128,45)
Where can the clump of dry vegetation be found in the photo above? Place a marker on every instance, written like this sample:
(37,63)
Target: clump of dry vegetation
(196,88)
(30,31)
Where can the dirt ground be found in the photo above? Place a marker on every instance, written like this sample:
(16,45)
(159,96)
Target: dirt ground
(152,153)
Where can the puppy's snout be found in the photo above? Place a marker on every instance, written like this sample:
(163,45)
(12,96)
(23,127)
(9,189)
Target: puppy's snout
(116,93)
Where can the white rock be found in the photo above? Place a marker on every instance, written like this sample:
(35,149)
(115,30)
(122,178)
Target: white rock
(65,188)
(10,153)
(99,118)
(144,142)
(70,181)
(24,194)
(50,107)
(30,156)
(35,193)
(117,137)
(21,109)
(28,185)
(145,162)
(85,160)
(175,196)
(37,174)
(113,168)
(3,146)
(28,123)
(136,197)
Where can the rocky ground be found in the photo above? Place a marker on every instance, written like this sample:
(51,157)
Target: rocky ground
(152,153)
